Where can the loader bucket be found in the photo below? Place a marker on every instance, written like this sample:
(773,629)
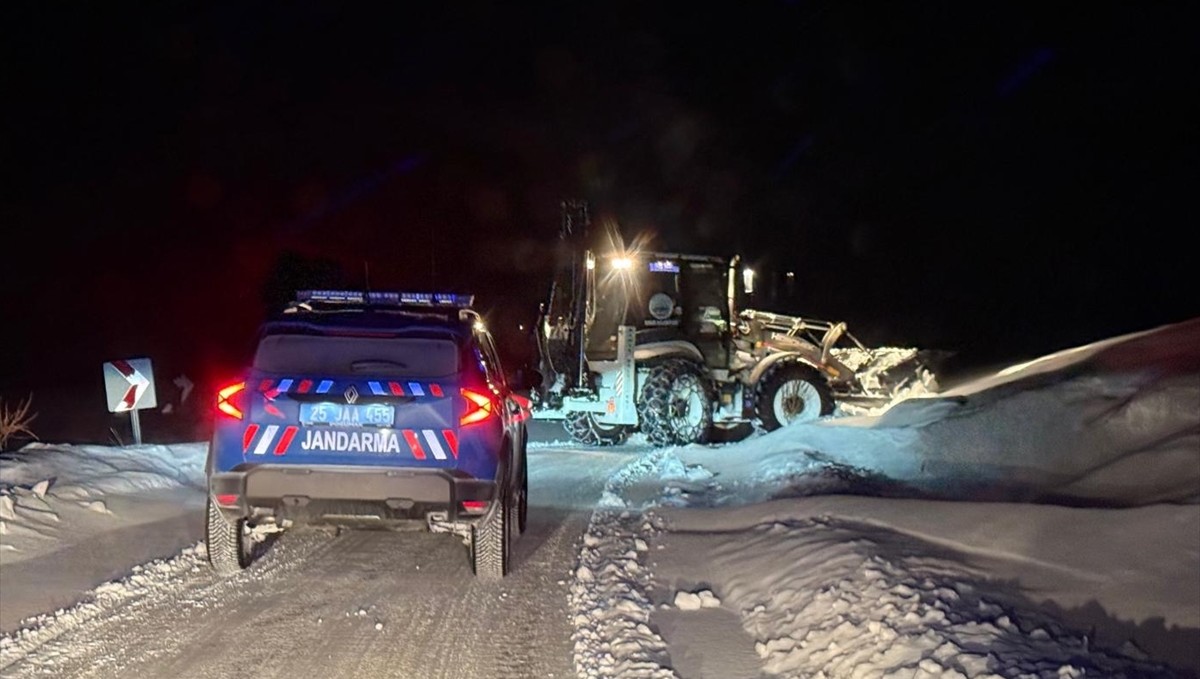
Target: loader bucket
(889,373)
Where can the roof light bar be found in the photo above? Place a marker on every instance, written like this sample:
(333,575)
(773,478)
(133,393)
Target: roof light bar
(428,299)
(433,299)
(350,296)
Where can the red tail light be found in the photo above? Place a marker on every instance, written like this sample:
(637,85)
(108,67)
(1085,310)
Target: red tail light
(479,407)
(229,400)
(474,506)
(227,500)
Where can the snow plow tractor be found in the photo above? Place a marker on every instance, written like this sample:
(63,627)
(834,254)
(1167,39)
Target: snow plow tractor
(657,342)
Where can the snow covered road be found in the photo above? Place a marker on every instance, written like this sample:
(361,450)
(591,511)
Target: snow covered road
(976,535)
(358,604)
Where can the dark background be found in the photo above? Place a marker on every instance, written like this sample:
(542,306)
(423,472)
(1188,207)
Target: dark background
(1000,181)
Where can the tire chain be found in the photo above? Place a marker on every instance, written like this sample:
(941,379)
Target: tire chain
(656,400)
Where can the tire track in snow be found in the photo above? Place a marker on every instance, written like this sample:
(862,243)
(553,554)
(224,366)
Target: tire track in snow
(106,630)
(296,611)
(609,605)
(437,620)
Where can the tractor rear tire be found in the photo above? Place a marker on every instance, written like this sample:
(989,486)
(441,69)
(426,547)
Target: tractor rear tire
(677,403)
(790,393)
(583,428)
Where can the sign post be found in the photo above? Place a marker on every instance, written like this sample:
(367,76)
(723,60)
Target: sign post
(129,387)
(136,422)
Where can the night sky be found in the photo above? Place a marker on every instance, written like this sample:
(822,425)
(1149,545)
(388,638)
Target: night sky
(999,182)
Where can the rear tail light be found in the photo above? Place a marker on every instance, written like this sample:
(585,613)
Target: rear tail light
(227,500)
(474,506)
(479,407)
(229,400)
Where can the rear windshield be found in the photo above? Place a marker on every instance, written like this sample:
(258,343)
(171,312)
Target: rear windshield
(326,355)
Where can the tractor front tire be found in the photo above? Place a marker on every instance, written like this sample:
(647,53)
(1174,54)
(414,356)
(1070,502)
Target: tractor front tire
(790,393)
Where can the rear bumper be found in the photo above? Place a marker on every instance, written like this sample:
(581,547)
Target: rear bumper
(324,493)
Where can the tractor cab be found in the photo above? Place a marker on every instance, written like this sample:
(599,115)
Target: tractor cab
(665,297)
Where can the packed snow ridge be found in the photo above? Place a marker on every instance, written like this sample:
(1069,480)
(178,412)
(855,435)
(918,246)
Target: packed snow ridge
(52,493)
(610,608)
(158,575)
(889,578)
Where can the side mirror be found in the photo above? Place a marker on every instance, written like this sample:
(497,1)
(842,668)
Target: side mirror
(525,379)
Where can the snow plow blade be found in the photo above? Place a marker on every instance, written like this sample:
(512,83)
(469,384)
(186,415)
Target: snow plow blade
(887,374)
(862,378)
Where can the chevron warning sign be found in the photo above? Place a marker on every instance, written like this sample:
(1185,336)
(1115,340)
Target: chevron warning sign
(129,385)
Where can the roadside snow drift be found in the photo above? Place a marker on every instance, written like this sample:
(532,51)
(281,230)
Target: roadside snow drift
(97,470)
(1112,423)
(41,482)
(72,517)
(844,549)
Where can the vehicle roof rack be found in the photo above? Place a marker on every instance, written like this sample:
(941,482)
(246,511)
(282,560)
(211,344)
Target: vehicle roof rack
(374,298)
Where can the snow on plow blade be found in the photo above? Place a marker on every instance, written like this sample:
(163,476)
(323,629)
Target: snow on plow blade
(888,374)
(862,378)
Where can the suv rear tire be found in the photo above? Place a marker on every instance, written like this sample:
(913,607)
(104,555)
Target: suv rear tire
(228,546)
(491,540)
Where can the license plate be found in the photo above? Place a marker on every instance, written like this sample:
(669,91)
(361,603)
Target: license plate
(342,415)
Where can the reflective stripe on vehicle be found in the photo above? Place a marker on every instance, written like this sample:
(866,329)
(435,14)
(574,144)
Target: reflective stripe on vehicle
(451,441)
(377,387)
(248,436)
(286,439)
(422,443)
(435,446)
(265,442)
(414,444)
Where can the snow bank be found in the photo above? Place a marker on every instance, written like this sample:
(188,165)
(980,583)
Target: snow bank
(85,471)
(1116,422)
(50,494)
(823,593)
(869,586)
(868,570)
(75,516)
(1124,574)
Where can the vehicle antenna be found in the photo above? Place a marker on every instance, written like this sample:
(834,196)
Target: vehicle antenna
(366,276)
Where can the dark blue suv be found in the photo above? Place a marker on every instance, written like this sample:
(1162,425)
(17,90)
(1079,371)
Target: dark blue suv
(371,408)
